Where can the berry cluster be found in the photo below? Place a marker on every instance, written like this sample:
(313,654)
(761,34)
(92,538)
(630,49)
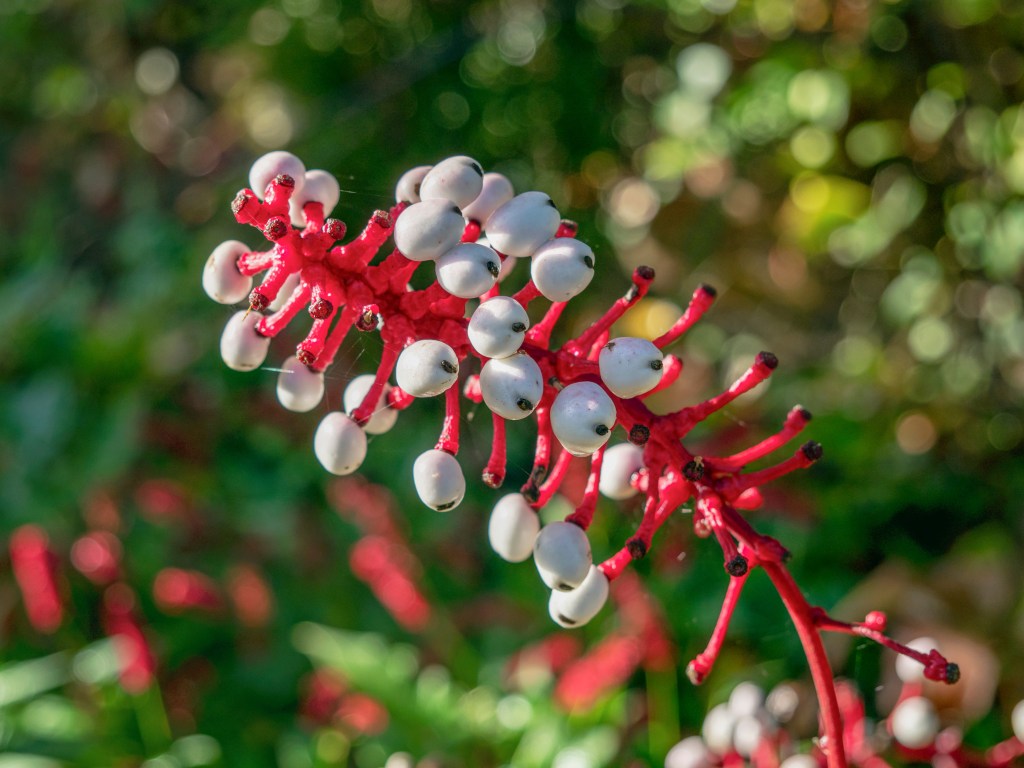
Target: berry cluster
(473,227)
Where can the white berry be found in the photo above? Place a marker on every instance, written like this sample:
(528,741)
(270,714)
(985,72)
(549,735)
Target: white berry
(513,528)
(339,444)
(221,279)
(688,753)
(496,191)
(272,165)
(910,670)
(717,729)
(630,366)
(426,368)
(578,606)
(562,268)
(620,463)
(426,230)
(746,699)
(439,480)
(240,345)
(318,187)
(523,224)
(498,326)
(408,188)
(458,179)
(914,722)
(582,417)
(383,418)
(561,553)
(468,270)
(747,734)
(299,388)
(512,386)
(1017,720)
(800,761)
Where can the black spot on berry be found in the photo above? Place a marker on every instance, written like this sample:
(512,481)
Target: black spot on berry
(524,404)
(518,327)
(476,167)
(493,268)
(657,365)
(952,673)
(566,620)
(445,507)
(589,261)
(601,429)
(449,367)
(551,203)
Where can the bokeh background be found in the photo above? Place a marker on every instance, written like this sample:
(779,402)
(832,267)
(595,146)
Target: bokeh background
(848,174)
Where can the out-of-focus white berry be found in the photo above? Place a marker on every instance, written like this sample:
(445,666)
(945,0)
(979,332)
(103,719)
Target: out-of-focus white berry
(426,368)
(384,417)
(496,191)
(299,389)
(439,480)
(1017,720)
(688,753)
(578,606)
(498,326)
(523,224)
(562,268)
(513,528)
(914,722)
(717,730)
(747,734)
(800,761)
(468,270)
(458,179)
(221,279)
(620,463)
(241,347)
(582,417)
(426,230)
(339,444)
(408,188)
(287,289)
(318,187)
(512,386)
(782,702)
(561,553)
(908,670)
(746,699)
(630,366)
(273,164)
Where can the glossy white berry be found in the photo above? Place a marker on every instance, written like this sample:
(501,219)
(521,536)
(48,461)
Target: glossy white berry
(240,345)
(458,179)
(800,761)
(299,388)
(426,368)
(221,279)
(582,417)
(339,444)
(578,606)
(561,553)
(513,528)
(688,753)
(747,734)
(562,268)
(426,230)
(408,188)
(496,191)
(318,187)
(273,164)
(523,224)
(468,270)
(512,386)
(498,326)
(717,729)
(383,418)
(630,366)
(1017,720)
(746,699)
(439,480)
(914,722)
(620,463)
(909,670)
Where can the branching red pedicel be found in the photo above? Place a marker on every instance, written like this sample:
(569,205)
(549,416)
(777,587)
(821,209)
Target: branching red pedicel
(580,392)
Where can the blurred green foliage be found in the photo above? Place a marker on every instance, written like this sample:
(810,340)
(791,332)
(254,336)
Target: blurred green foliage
(848,174)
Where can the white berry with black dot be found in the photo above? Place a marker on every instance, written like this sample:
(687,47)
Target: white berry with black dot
(468,270)
(274,164)
(497,190)
(561,553)
(914,722)
(578,606)
(241,347)
(498,327)
(427,230)
(513,527)
(630,366)
(439,481)
(458,179)
(407,190)
(523,224)
(562,268)
(512,386)
(582,417)
(426,368)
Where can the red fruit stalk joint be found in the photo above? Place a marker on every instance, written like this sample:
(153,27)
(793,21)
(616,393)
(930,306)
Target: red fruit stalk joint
(579,391)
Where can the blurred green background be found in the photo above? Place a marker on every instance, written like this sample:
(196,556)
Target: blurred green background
(848,174)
